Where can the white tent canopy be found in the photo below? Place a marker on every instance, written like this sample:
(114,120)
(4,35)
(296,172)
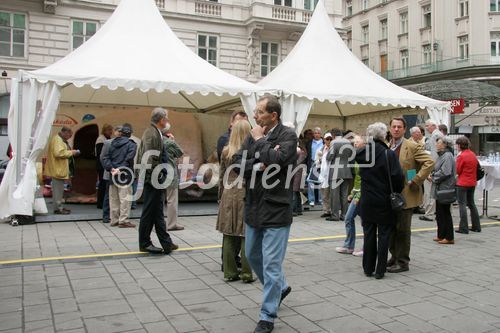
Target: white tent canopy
(134,59)
(323,77)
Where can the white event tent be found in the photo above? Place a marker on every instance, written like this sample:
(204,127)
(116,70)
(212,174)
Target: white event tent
(134,59)
(321,76)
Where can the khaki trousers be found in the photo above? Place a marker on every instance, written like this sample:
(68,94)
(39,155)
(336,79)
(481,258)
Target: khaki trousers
(325,193)
(119,203)
(172,206)
(429,204)
(57,193)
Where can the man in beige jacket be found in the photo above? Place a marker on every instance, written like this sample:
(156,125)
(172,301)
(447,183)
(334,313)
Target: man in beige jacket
(57,167)
(417,164)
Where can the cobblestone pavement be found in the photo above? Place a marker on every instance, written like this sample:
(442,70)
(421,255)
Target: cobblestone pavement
(448,288)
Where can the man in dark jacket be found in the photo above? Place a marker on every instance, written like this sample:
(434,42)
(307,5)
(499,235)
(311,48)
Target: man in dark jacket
(149,157)
(119,161)
(266,157)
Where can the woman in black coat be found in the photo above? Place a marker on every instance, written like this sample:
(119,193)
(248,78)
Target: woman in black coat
(376,213)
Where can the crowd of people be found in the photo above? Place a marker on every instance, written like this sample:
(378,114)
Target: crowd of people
(380,176)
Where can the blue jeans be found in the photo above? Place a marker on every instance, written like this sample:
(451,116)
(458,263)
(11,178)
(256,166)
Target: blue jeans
(350,225)
(313,193)
(265,250)
(105,202)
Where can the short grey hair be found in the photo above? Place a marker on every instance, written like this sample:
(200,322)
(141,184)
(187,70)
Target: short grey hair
(448,142)
(317,130)
(158,114)
(377,130)
(415,129)
(430,122)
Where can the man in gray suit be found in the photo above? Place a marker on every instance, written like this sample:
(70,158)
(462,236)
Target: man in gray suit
(340,174)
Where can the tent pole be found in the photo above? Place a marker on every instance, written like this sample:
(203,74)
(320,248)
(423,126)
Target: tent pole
(19,130)
(187,99)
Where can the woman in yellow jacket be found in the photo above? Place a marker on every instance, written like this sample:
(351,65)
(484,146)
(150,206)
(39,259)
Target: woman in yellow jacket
(57,166)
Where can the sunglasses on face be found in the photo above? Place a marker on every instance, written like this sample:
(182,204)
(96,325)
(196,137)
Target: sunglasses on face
(328,139)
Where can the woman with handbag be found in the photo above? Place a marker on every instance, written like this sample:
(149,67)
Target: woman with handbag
(443,189)
(381,177)
(467,165)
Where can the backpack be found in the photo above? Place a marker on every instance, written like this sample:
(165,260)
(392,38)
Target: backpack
(479,172)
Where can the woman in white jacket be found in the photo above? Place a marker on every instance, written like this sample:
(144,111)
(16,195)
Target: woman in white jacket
(320,159)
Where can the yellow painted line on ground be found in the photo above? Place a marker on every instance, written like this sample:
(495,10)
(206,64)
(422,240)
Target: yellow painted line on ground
(185,249)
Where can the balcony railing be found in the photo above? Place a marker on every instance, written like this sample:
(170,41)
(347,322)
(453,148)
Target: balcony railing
(208,8)
(440,66)
(283,13)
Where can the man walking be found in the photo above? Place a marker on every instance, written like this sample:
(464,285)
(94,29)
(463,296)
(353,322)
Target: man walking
(312,146)
(429,203)
(57,167)
(172,152)
(268,203)
(150,156)
(411,155)
(340,175)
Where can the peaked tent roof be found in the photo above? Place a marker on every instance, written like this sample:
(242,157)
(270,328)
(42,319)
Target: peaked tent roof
(136,59)
(322,68)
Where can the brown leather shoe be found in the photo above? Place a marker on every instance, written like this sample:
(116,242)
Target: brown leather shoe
(62,212)
(172,247)
(436,239)
(126,225)
(176,228)
(445,241)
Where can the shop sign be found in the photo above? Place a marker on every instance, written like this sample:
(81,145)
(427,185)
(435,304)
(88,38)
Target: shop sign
(457,106)
(489,129)
(490,110)
(64,120)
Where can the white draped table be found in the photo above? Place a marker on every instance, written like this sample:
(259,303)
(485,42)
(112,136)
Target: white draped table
(491,173)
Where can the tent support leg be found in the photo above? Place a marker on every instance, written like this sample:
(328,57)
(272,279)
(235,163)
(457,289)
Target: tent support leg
(19,116)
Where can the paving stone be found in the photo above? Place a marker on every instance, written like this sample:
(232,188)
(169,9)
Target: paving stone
(11,305)
(37,312)
(95,295)
(11,320)
(415,323)
(114,323)
(10,292)
(212,310)
(64,305)
(301,297)
(239,323)
(104,308)
(301,324)
(197,296)
(462,323)
(144,309)
(68,321)
(159,294)
(84,284)
(33,287)
(170,307)
(159,327)
(39,326)
(396,298)
(184,323)
(87,273)
(36,298)
(185,285)
(348,324)
(241,301)
(320,311)
(426,310)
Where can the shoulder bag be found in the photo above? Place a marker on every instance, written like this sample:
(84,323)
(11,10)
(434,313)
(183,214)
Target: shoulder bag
(397,200)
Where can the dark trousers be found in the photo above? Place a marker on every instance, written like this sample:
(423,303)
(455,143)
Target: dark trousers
(400,241)
(152,215)
(232,245)
(465,198)
(101,189)
(338,197)
(444,221)
(105,202)
(375,250)
(297,202)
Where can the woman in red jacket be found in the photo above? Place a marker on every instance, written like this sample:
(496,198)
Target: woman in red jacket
(467,164)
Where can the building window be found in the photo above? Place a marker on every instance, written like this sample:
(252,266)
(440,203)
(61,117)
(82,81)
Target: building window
(383,29)
(287,3)
(494,5)
(82,31)
(495,48)
(405,61)
(269,53)
(427,55)
(12,34)
(403,23)
(365,34)
(349,39)
(364,4)
(310,4)
(348,8)
(426,12)
(366,62)
(4,112)
(463,47)
(207,48)
(463,8)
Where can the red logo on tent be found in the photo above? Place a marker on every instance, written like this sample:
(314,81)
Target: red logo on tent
(457,106)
